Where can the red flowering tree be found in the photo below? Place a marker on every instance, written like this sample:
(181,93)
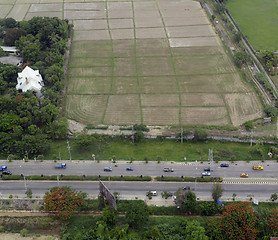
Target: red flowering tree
(238,221)
(273,221)
(63,201)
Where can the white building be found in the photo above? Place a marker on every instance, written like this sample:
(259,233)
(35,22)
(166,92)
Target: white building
(31,80)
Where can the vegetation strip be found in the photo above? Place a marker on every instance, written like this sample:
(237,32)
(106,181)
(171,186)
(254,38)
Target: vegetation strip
(111,178)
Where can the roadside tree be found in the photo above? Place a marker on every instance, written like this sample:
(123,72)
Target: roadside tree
(63,201)
(194,231)
(216,191)
(137,215)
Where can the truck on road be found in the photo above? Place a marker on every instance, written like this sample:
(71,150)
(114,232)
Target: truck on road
(63,165)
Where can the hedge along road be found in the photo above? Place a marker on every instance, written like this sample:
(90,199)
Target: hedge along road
(189,169)
(133,190)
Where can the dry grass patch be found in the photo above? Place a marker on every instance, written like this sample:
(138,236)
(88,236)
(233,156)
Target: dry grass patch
(123,109)
(90,24)
(45,8)
(190,31)
(123,48)
(195,51)
(179,21)
(160,100)
(86,108)
(87,49)
(204,115)
(18,12)
(161,84)
(92,85)
(200,99)
(90,35)
(90,72)
(90,62)
(124,67)
(161,115)
(145,33)
(154,66)
(243,107)
(203,64)
(194,42)
(43,14)
(152,47)
(4,10)
(84,6)
(125,85)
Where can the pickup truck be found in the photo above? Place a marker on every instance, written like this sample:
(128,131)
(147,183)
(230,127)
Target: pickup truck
(3,168)
(63,165)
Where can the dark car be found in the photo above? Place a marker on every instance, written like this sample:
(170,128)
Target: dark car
(186,188)
(207,169)
(7,172)
(224,165)
(107,169)
(167,169)
(129,169)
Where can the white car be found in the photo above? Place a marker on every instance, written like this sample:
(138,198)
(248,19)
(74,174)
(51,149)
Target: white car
(205,174)
(152,193)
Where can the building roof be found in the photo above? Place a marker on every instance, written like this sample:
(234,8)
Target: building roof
(11,60)
(29,79)
(9,49)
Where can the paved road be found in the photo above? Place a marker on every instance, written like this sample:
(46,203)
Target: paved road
(131,190)
(140,168)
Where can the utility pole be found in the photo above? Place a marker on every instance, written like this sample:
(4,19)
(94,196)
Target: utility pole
(69,149)
(251,142)
(27,155)
(58,181)
(211,159)
(25,185)
(181,134)
(132,133)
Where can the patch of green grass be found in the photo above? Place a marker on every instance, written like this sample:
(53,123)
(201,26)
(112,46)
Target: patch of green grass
(168,150)
(258,20)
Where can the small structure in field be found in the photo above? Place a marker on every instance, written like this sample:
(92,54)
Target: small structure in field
(31,80)
(10,50)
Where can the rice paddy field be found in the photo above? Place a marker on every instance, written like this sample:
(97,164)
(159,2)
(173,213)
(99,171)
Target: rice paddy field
(151,62)
(258,19)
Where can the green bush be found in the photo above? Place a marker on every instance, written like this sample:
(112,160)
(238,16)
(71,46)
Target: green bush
(124,205)
(24,232)
(170,211)
(12,177)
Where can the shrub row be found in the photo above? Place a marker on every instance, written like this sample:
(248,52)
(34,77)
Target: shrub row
(111,178)
(189,179)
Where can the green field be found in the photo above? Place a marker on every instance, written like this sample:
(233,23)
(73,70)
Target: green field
(167,150)
(258,19)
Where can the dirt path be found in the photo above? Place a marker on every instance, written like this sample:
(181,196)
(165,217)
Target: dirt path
(17,236)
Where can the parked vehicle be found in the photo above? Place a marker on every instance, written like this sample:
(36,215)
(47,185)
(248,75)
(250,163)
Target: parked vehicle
(207,169)
(107,169)
(224,165)
(167,169)
(205,174)
(153,193)
(7,172)
(3,168)
(63,166)
(244,175)
(258,167)
(129,169)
